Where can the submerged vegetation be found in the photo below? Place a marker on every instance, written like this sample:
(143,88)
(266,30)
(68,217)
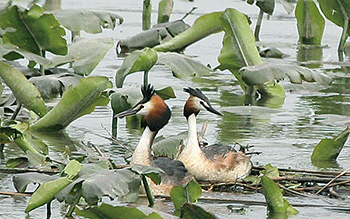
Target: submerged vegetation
(46,85)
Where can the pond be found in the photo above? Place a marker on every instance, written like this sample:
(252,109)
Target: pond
(285,133)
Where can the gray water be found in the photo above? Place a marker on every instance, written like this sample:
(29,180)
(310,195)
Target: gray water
(285,133)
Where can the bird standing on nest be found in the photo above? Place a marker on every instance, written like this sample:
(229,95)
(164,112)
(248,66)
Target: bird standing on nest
(155,115)
(213,162)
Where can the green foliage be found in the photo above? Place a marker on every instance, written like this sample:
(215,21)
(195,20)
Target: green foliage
(337,11)
(276,204)
(329,149)
(151,172)
(24,91)
(266,6)
(75,102)
(310,22)
(168,146)
(146,14)
(164,10)
(139,60)
(36,32)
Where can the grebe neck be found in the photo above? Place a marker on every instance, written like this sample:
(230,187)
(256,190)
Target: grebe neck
(142,154)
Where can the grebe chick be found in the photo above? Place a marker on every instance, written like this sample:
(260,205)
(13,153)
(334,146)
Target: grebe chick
(216,162)
(155,115)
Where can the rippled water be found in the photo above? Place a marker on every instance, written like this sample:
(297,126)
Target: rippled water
(285,133)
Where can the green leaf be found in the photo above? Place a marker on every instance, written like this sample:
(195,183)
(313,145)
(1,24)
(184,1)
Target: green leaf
(195,212)
(168,146)
(88,21)
(270,171)
(188,194)
(72,169)
(125,98)
(204,26)
(22,180)
(139,60)
(164,10)
(146,14)
(4,138)
(276,204)
(266,6)
(84,54)
(239,48)
(182,66)
(46,192)
(107,211)
(255,75)
(17,162)
(166,93)
(35,32)
(152,172)
(310,22)
(75,102)
(329,149)
(24,91)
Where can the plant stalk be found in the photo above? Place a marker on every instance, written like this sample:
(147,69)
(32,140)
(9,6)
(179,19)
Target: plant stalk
(15,113)
(48,210)
(344,35)
(145,78)
(146,14)
(2,151)
(258,25)
(148,192)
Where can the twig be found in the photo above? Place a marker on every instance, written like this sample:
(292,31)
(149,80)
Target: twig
(332,180)
(113,139)
(202,133)
(292,191)
(15,113)
(26,170)
(98,150)
(304,171)
(15,193)
(334,193)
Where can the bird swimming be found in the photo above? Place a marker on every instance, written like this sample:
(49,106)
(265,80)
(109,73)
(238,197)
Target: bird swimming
(213,162)
(155,115)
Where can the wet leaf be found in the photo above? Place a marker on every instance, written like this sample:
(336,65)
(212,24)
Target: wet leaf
(125,98)
(75,102)
(4,138)
(166,93)
(329,149)
(195,212)
(182,66)
(22,180)
(84,54)
(266,6)
(107,211)
(16,162)
(86,20)
(272,52)
(255,75)
(276,204)
(310,22)
(139,60)
(270,171)
(181,195)
(72,169)
(35,31)
(168,146)
(152,172)
(24,91)
(146,14)
(164,10)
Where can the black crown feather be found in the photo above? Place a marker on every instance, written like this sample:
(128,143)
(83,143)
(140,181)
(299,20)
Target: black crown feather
(147,92)
(197,93)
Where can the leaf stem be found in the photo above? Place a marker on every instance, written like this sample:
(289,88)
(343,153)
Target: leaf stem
(258,25)
(344,34)
(145,78)
(48,209)
(148,191)
(15,113)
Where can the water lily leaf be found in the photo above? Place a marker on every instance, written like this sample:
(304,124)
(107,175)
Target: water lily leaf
(266,6)
(51,86)
(152,172)
(255,75)
(168,146)
(329,149)
(164,10)
(276,204)
(24,91)
(166,93)
(193,211)
(35,31)
(272,52)
(182,66)
(72,169)
(84,54)
(181,195)
(22,180)
(139,60)
(204,26)
(270,171)
(88,21)
(46,192)
(125,98)
(107,211)
(310,22)
(239,43)
(75,102)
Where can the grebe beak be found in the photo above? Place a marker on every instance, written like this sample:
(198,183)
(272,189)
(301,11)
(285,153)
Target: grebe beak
(128,112)
(212,110)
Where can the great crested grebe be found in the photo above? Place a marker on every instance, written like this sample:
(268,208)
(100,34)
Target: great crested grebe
(155,115)
(213,162)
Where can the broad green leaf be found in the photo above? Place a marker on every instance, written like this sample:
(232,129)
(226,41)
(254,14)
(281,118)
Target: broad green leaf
(72,169)
(181,195)
(166,93)
(139,60)
(255,75)
(266,6)
(182,66)
(22,142)
(75,102)
(164,10)
(204,26)
(107,211)
(35,32)
(4,138)
(22,180)
(8,47)
(193,211)
(178,196)
(329,149)
(17,162)
(276,204)
(239,48)
(270,171)
(46,192)
(152,172)
(84,54)
(125,98)
(310,22)
(333,11)
(24,91)
(146,14)
(88,21)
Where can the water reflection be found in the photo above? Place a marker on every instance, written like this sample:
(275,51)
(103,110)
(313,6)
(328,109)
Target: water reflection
(310,56)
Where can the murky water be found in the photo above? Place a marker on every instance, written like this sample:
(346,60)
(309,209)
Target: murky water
(285,133)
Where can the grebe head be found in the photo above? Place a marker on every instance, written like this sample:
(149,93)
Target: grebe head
(196,102)
(155,113)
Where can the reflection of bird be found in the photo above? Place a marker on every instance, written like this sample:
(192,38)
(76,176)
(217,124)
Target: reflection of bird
(156,115)
(213,162)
